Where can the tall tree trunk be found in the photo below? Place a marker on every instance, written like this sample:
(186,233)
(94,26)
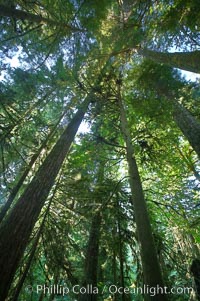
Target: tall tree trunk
(151,268)
(189,61)
(17,187)
(8,11)
(189,126)
(17,228)
(91,259)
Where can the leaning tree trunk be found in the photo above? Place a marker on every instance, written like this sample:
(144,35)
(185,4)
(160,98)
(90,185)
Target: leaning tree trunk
(8,11)
(114,265)
(91,259)
(189,61)
(190,164)
(151,268)
(189,126)
(17,228)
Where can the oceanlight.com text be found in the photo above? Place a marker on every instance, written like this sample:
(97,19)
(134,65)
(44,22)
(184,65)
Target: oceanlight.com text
(64,290)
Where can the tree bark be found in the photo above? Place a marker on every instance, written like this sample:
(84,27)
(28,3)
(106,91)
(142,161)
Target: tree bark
(187,123)
(8,11)
(189,126)
(189,61)
(16,230)
(91,259)
(151,268)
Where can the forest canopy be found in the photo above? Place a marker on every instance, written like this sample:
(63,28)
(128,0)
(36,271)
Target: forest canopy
(99,150)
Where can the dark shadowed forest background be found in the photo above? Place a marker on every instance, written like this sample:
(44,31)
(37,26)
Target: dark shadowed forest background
(99,150)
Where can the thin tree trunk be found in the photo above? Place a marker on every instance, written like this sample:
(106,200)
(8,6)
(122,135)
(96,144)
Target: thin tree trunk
(15,232)
(188,161)
(8,11)
(17,187)
(114,266)
(151,268)
(91,259)
(101,271)
(121,263)
(189,61)
(92,252)
(121,257)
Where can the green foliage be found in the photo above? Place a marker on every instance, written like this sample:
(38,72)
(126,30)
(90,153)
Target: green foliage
(91,13)
(57,70)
